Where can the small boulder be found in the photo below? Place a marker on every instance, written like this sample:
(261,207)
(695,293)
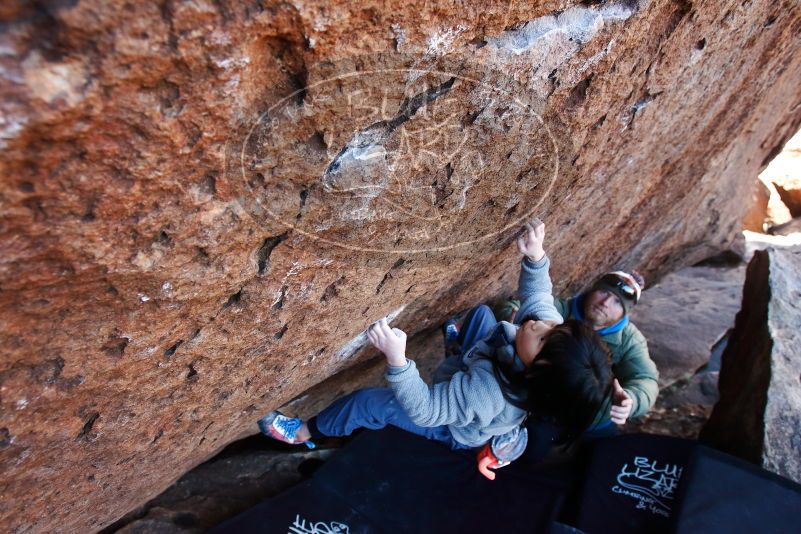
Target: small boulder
(758,416)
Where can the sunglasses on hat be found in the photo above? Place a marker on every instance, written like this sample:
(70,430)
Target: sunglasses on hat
(625,283)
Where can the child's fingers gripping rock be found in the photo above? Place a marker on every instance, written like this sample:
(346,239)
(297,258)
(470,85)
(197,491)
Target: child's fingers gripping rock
(390,341)
(371,335)
(400,333)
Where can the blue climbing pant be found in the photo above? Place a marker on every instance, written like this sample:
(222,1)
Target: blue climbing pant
(373,408)
(477,324)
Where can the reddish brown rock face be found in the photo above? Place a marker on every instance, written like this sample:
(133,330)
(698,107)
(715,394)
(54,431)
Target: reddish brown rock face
(175,262)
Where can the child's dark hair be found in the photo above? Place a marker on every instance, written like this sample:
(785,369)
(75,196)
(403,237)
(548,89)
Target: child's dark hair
(571,378)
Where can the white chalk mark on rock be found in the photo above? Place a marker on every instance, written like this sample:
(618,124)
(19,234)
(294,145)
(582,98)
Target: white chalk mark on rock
(295,401)
(53,81)
(10,127)
(282,293)
(441,41)
(577,24)
(356,344)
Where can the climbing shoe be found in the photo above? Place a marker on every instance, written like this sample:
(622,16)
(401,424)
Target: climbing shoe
(450,335)
(450,331)
(278,426)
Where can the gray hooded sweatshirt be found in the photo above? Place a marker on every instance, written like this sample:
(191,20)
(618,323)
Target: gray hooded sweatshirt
(466,395)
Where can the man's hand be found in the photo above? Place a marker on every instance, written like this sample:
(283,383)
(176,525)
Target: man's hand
(530,243)
(621,404)
(390,341)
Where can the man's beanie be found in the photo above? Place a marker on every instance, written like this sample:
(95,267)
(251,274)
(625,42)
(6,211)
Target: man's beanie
(627,287)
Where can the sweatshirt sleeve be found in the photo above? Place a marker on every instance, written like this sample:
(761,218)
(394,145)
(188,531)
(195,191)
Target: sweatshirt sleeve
(638,375)
(472,395)
(536,292)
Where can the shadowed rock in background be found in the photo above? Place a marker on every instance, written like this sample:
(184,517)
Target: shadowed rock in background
(758,416)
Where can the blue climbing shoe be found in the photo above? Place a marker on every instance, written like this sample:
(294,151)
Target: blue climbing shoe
(450,331)
(278,426)
(450,334)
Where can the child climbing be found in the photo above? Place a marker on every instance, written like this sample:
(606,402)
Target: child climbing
(560,370)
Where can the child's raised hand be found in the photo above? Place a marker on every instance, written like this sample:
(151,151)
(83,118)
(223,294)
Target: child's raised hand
(530,243)
(390,341)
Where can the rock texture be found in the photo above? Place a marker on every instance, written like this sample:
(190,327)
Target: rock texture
(758,416)
(784,173)
(746,244)
(256,468)
(788,228)
(782,178)
(754,220)
(220,489)
(685,314)
(682,409)
(204,203)
(790,193)
(778,213)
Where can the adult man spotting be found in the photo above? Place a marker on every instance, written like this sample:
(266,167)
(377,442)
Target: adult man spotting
(605,307)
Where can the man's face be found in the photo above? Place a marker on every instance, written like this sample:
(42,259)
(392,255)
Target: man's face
(602,308)
(531,338)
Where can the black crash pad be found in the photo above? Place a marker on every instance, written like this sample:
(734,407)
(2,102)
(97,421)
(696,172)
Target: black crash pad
(721,493)
(392,481)
(630,484)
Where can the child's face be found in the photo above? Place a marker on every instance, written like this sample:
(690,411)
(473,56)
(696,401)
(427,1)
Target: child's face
(531,337)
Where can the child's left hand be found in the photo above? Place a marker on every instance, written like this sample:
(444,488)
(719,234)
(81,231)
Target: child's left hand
(390,341)
(531,242)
